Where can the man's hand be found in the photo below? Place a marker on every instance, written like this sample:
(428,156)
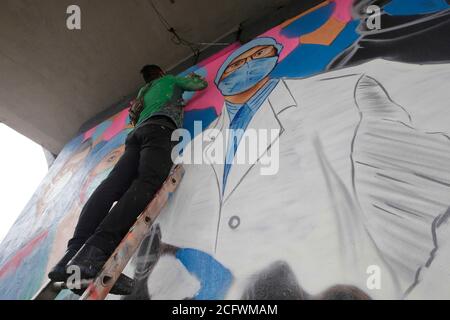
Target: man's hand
(194,75)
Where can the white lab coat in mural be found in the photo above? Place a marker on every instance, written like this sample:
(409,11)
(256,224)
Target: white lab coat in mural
(364,177)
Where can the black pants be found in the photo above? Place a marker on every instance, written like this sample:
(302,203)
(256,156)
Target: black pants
(133,182)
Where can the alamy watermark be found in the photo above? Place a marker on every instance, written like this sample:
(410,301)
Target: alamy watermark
(228,146)
(373,20)
(374,279)
(73,21)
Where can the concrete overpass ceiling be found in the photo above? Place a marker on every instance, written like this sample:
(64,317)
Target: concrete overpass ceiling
(52,80)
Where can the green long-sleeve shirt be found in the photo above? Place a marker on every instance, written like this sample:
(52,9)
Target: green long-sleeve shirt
(164,96)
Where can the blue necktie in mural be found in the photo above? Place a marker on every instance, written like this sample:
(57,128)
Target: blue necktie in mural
(240,116)
(237,127)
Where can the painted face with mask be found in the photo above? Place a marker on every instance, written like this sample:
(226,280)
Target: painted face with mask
(61,180)
(248,69)
(95,182)
(101,172)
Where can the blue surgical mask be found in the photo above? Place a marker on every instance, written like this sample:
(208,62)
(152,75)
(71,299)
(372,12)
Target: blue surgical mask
(247,76)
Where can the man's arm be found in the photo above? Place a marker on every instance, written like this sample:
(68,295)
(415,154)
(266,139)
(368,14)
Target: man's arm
(193,82)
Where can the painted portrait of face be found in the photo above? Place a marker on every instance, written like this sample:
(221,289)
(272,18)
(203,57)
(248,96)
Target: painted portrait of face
(247,66)
(62,178)
(101,172)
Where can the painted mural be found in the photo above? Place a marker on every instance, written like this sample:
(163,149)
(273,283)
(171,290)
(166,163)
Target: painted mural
(359,205)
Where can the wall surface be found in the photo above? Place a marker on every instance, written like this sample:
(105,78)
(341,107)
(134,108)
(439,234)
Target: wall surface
(358,204)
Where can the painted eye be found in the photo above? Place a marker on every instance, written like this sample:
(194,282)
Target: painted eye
(235,65)
(112,157)
(261,53)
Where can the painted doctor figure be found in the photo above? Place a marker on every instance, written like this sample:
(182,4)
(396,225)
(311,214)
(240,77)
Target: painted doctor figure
(362,176)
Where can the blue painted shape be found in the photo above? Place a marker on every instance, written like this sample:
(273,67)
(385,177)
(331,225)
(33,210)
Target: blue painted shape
(310,59)
(101,128)
(309,22)
(412,7)
(215,279)
(206,115)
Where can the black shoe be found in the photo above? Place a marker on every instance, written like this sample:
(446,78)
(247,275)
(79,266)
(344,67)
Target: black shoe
(124,286)
(90,260)
(58,272)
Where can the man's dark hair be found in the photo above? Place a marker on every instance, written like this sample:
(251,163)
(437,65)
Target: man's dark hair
(151,72)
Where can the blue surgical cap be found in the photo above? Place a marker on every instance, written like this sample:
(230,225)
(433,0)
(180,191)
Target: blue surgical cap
(263,41)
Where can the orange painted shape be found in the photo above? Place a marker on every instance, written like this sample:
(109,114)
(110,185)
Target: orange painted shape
(326,34)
